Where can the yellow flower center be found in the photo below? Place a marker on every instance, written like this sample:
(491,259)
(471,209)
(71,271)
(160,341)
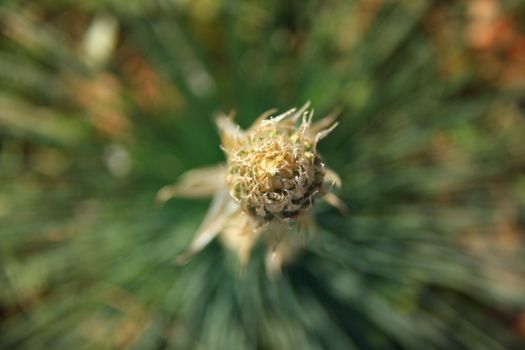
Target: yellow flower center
(275,173)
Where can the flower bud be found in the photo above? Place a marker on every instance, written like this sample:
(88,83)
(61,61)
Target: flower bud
(275,171)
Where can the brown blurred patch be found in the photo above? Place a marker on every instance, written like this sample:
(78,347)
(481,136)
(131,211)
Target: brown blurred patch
(356,23)
(520,324)
(500,235)
(482,15)
(497,41)
(445,149)
(100,98)
(70,23)
(119,331)
(480,38)
(146,85)
(509,237)
(134,321)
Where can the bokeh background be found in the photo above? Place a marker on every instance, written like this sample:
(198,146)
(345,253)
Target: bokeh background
(104,102)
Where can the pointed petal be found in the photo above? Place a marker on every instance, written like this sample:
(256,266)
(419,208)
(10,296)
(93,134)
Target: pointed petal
(282,116)
(230,133)
(324,123)
(202,182)
(276,252)
(273,263)
(332,178)
(307,225)
(282,250)
(336,202)
(262,117)
(239,235)
(221,209)
(322,134)
(295,117)
(292,115)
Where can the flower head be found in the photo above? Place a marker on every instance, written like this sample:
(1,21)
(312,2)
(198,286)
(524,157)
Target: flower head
(275,172)
(273,175)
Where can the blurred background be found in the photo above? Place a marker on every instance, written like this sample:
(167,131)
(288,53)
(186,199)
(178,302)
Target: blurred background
(104,102)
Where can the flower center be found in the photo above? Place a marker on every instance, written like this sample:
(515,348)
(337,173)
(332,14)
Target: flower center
(276,173)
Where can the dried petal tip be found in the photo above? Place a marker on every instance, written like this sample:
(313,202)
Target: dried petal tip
(275,172)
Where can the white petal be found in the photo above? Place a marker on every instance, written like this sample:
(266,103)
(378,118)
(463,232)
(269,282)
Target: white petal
(221,209)
(231,133)
(295,117)
(196,183)
(325,122)
(239,235)
(332,178)
(262,117)
(322,134)
(282,250)
(336,202)
(293,114)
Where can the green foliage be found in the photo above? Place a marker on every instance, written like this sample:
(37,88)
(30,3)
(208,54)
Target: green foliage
(429,148)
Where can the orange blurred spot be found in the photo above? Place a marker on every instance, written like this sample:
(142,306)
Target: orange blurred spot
(100,97)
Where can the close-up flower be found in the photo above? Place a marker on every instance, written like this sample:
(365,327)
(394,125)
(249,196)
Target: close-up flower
(268,186)
(137,212)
